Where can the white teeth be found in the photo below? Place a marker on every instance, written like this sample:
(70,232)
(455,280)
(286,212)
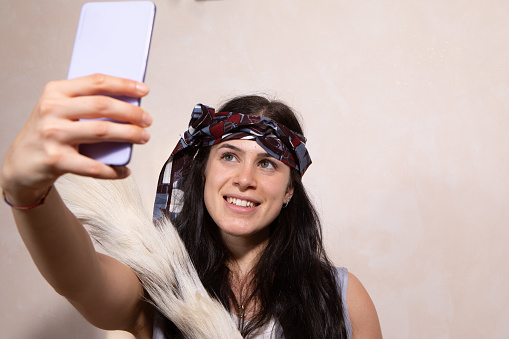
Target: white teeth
(240,202)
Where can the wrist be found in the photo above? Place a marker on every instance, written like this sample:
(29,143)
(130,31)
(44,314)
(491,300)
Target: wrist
(26,199)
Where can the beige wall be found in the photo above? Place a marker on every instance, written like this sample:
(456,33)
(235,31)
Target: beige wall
(406,109)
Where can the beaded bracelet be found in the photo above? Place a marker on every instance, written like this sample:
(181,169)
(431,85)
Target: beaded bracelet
(27,207)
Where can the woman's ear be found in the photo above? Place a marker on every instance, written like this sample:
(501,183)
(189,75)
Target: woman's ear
(288,194)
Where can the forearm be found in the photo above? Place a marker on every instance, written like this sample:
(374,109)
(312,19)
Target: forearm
(106,292)
(60,247)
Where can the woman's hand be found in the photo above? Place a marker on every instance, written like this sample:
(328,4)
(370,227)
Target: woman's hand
(47,146)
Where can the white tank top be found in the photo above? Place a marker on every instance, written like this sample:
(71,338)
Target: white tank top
(268,332)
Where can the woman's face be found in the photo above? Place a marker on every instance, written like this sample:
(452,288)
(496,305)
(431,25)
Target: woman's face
(245,188)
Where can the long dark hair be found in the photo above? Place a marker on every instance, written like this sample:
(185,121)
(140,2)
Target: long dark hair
(294,281)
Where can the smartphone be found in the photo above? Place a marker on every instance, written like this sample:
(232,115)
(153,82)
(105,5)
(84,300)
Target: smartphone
(113,38)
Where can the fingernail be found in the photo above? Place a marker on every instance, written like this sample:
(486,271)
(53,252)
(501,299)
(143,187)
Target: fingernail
(147,119)
(127,172)
(123,171)
(141,87)
(145,136)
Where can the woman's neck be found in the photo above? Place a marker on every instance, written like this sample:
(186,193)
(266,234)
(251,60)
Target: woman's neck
(245,251)
(245,254)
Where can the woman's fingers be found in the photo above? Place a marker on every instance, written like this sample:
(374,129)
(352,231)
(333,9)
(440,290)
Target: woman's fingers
(90,97)
(91,131)
(82,165)
(93,107)
(97,84)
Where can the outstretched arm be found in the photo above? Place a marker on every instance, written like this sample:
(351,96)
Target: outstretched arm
(105,291)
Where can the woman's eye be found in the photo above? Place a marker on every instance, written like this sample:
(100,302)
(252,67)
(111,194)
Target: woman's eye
(228,157)
(267,164)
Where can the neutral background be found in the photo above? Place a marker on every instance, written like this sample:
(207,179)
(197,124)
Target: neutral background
(405,105)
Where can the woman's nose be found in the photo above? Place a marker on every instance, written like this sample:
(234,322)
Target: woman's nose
(245,177)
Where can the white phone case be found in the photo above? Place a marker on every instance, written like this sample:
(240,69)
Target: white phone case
(113,38)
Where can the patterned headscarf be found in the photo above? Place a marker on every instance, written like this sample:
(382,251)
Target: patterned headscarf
(207,128)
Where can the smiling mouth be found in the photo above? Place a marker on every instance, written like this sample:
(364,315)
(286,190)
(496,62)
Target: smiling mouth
(240,202)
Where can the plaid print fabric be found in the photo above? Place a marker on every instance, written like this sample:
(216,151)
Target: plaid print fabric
(208,128)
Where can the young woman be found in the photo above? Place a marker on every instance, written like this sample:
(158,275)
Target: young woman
(245,218)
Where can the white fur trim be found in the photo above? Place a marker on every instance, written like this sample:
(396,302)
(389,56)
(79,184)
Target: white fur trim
(115,216)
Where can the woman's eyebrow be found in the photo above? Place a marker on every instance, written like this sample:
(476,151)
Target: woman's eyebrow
(229,146)
(240,150)
(264,155)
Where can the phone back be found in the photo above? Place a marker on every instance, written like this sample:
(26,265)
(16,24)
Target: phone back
(113,38)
